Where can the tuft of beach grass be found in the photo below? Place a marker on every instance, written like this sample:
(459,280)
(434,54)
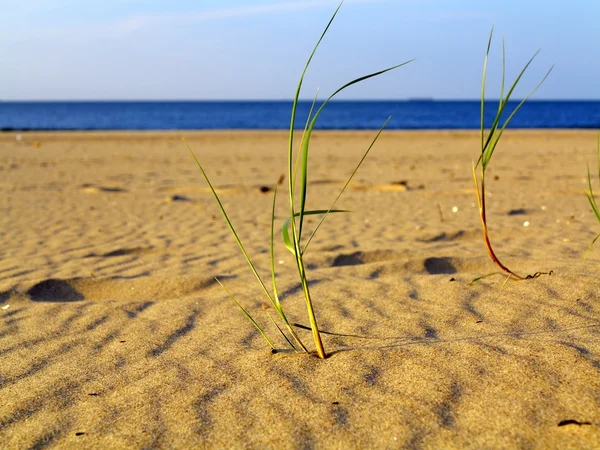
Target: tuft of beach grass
(592,197)
(293,226)
(489,143)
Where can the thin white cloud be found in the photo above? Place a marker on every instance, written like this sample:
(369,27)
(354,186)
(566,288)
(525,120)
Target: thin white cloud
(116,29)
(141,21)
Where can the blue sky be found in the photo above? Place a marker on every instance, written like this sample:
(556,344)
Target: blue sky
(256,49)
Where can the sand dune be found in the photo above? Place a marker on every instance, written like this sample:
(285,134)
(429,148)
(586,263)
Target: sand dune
(114,334)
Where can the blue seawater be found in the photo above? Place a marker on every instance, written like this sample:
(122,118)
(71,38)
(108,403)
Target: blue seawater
(275,115)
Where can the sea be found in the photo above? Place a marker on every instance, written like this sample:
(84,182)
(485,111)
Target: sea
(416,114)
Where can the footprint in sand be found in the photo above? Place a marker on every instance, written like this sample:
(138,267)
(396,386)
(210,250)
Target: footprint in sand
(359,258)
(123,252)
(449,237)
(92,189)
(179,198)
(439,266)
(389,261)
(53,290)
(116,289)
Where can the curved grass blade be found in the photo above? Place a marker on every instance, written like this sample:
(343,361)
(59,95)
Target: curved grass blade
(592,199)
(346,185)
(294,108)
(486,152)
(304,173)
(247,314)
(488,145)
(238,240)
(229,224)
(282,333)
(481,277)
(277,304)
(497,137)
(493,137)
(310,112)
(590,246)
(286,225)
(598,156)
(486,238)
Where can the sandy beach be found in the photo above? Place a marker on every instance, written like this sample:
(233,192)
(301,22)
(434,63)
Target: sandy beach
(114,333)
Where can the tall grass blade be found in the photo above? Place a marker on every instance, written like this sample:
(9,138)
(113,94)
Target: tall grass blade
(306,143)
(291,182)
(310,112)
(483,80)
(499,134)
(229,224)
(295,105)
(275,304)
(293,242)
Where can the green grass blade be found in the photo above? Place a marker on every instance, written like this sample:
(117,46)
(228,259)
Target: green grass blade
(286,225)
(592,201)
(277,303)
(503,75)
(347,183)
(488,145)
(301,169)
(274,302)
(598,156)
(291,177)
(273,275)
(282,333)
(590,247)
(310,112)
(483,78)
(292,193)
(247,314)
(272,250)
(489,149)
(304,169)
(232,229)
(481,277)
(591,197)
(499,134)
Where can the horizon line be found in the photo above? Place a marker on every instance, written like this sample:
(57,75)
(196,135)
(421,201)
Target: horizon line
(285,100)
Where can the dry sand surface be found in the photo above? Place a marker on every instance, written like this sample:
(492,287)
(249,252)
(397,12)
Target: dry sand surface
(114,334)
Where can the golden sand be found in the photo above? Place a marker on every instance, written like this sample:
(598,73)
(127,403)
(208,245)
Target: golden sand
(114,334)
